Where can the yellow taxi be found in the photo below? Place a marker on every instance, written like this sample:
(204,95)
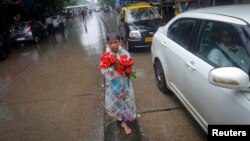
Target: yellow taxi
(138,23)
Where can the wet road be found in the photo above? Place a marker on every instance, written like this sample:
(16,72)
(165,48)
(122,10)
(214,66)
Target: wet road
(52,91)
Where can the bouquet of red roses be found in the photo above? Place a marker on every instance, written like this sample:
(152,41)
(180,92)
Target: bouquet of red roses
(123,64)
(107,60)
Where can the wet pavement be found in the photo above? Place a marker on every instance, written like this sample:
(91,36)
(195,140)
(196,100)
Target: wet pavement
(52,91)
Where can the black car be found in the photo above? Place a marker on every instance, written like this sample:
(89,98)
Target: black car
(138,23)
(28,31)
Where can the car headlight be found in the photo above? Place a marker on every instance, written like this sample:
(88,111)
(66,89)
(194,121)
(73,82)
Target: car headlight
(134,34)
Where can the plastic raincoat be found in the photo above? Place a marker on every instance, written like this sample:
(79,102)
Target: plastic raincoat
(119,92)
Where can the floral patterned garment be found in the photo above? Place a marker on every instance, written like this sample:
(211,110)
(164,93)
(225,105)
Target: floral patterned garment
(119,94)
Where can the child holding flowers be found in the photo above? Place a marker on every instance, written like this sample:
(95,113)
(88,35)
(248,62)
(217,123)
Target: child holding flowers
(116,65)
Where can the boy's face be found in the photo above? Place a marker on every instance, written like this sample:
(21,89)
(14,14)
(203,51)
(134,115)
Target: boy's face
(114,44)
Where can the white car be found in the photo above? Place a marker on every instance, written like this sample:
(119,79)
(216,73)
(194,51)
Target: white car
(192,60)
(57,19)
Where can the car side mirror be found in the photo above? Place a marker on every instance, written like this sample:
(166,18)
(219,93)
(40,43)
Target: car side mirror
(229,77)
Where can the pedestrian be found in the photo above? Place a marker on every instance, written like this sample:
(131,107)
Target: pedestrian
(119,93)
(83,16)
(51,30)
(62,26)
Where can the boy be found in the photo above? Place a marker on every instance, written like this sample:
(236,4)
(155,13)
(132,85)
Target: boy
(119,94)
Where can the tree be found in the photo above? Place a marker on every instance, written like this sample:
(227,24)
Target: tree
(109,2)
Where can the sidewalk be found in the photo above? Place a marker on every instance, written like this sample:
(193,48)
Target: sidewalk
(114,132)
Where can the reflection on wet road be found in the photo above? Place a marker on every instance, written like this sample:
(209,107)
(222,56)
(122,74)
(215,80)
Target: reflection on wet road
(51,91)
(23,56)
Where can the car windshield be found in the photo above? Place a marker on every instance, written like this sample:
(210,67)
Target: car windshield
(141,14)
(186,6)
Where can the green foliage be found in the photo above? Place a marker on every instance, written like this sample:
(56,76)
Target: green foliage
(109,2)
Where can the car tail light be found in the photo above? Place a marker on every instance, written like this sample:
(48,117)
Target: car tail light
(28,28)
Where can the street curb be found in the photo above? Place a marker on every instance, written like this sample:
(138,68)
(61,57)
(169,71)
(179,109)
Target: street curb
(102,93)
(104,30)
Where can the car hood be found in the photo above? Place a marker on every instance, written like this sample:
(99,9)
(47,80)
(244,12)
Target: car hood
(146,25)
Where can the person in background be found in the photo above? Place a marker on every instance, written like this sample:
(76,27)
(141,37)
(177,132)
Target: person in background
(49,23)
(83,13)
(62,26)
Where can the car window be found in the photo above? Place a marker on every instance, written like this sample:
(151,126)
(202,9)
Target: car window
(171,29)
(221,44)
(19,26)
(209,38)
(141,14)
(183,31)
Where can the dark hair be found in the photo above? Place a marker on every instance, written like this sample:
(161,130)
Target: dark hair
(113,35)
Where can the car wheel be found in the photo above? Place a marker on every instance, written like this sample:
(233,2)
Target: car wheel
(36,39)
(160,77)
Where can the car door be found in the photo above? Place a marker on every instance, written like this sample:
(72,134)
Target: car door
(208,103)
(179,37)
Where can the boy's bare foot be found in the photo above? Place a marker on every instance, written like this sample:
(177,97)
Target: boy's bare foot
(126,128)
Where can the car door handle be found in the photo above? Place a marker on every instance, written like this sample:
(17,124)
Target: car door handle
(164,43)
(191,65)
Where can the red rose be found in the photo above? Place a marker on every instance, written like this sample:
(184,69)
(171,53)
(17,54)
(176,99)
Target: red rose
(128,70)
(101,66)
(112,60)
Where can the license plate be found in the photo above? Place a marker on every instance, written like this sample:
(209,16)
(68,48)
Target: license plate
(149,39)
(20,39)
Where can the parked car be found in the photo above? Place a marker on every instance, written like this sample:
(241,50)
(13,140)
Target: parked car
(57,19)
(214,88)
(98,8)
(138,23)
(28,31)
